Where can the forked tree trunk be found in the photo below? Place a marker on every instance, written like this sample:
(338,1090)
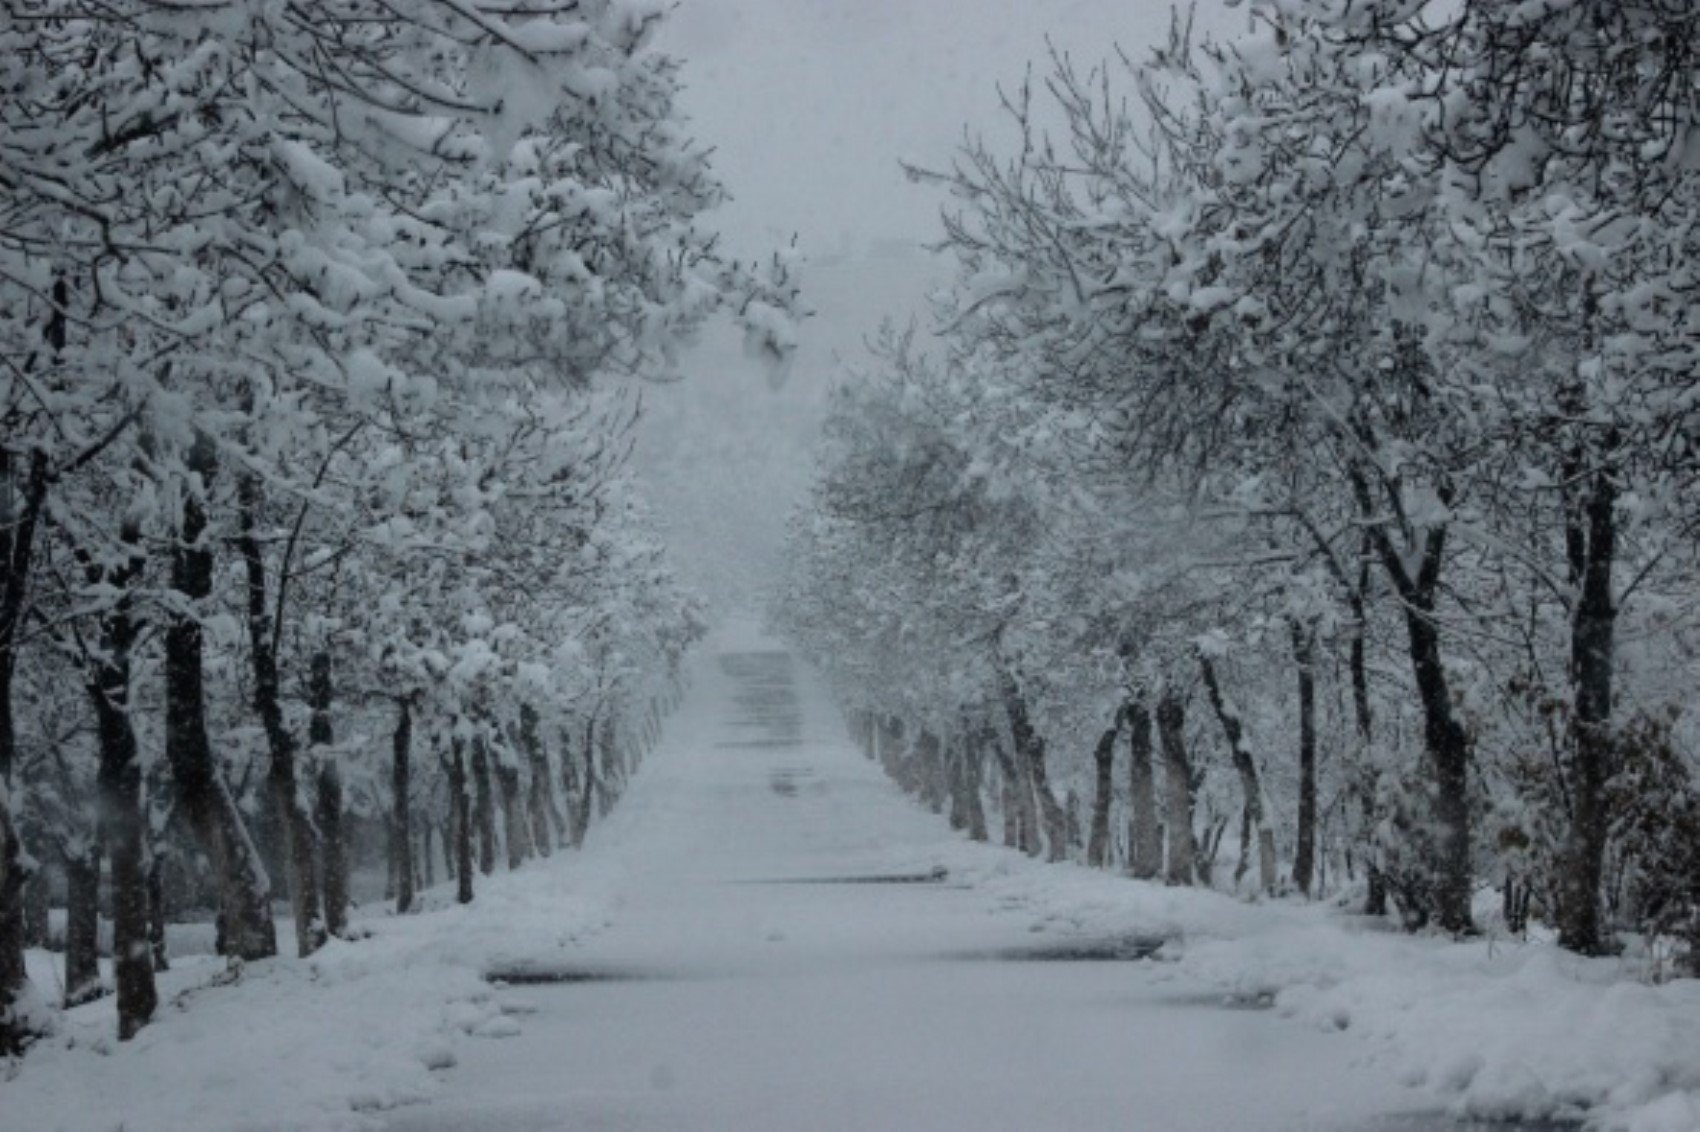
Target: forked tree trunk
(245,916)
(1304,660)
(1030,755)
(1104,762)
(1444,738)
(295,819)
(328,804)
(1256,818)
(82,926)
(1019,803)
(1177,787)
(401,818)
(1145,833)
(121,802)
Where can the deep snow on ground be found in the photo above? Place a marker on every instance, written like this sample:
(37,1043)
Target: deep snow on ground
(732,961)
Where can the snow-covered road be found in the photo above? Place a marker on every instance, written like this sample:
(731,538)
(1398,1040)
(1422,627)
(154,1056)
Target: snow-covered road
(767,934)
(768,962)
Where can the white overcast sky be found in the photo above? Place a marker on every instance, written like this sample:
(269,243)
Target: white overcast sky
(810,105)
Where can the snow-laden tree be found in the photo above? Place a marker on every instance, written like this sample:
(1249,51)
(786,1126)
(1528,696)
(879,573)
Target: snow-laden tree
(245,249)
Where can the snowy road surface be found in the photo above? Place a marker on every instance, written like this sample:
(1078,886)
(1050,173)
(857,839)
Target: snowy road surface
(758,938)
(769,965)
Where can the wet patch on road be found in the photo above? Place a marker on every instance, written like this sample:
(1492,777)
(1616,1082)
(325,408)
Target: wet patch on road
(1229,1000)
(1117,949)
(569,974)
(931,876)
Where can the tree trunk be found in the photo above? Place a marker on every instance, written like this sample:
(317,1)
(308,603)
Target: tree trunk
(1593,540)
(328,808)
(1145,838)
(1030,756)
(1375,892)
(38,911)
(245,916)
(401,817)
(17,546)
(461,818)
(1444,739)
(513,815)
(1256,820)
(955,770)
(572,828)
(135,880)
(1104,762)
(1019,804)
(155,915)
(484,806)
(82,926)
(1304,853)
(608,782)
(581,823)
(540,802)
(1177,782)
(296,821)
(972,760)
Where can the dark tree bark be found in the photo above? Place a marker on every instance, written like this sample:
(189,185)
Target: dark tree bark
(82,926)
(17,547)
(245,917)
(572,829)
(540,802)
(972,760)
(328,803)
(135,879)
(1177,787)
(484,802)
(1375,893)
(1145,838)
(1104,762)
(929,777)
(1020,808)
(156,913)
(401,819)
(1030,756)
(1255,818)
(460,811)
(1444,738)
(38,899)
(955,766)
(294,818)
(612,776)
(1304,658)
(1593,549)
(588,788)
(513,815)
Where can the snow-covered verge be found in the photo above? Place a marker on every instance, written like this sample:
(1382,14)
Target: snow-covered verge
(1492,1029)
(331,1042)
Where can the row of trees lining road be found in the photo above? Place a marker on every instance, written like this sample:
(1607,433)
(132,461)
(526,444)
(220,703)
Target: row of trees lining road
(1313,416)
(314,516)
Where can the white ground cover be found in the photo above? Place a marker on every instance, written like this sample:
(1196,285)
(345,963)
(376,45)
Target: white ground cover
(743,1003)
